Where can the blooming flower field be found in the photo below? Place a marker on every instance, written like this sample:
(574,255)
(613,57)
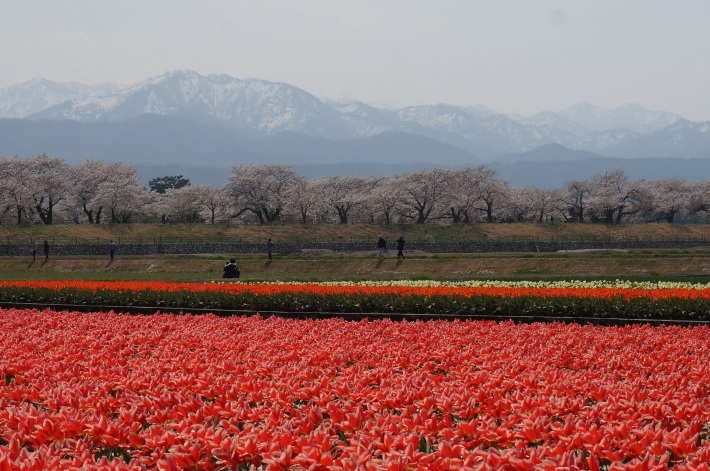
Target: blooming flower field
(641,301)
(111,391)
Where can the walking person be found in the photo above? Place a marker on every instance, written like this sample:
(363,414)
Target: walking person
(381,247)
(400,247)
(269,248)
(112,250)
(34,250)
(46,250)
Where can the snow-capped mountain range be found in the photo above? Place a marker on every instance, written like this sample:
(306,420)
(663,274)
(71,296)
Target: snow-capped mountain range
(27,98)
(265,108)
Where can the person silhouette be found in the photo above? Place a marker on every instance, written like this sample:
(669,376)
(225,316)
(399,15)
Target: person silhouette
(400,247)
(269,248)
(230,269)
(381,247)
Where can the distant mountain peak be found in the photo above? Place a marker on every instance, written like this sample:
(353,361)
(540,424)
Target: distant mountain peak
(250,104)
(38,94)
(263,107)
(629,116)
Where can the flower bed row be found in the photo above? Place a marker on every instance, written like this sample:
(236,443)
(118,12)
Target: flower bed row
(548,302)
(110,391)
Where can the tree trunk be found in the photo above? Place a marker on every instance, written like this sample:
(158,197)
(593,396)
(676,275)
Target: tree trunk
(455,215)
(273,216)
(89,212)
(342,214)
(259,215)
(423,214)
(44,214)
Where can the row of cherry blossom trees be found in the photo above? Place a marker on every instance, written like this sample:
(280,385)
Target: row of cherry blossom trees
(49,190)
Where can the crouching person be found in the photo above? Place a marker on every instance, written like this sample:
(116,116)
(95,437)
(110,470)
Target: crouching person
(230,269)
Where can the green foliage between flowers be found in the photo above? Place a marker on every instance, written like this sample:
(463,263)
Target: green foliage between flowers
(479,306)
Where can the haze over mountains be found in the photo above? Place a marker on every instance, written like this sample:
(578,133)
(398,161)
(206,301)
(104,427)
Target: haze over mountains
(182,120)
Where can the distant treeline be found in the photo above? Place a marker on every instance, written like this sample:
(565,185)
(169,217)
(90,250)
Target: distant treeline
(49,190)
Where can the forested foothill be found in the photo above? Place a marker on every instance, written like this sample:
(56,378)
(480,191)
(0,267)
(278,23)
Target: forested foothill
(48,190)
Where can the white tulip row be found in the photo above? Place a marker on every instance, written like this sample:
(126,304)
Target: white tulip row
(616,284)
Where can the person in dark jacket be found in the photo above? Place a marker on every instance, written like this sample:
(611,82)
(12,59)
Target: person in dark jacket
(230,269)
(400,247)
(46,250)
(269,248)
(381,247)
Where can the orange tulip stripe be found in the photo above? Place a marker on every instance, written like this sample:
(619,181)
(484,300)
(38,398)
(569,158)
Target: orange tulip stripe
(680,303)
(110,391)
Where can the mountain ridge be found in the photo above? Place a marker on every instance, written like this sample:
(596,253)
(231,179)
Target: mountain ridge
(271,107)
(231,116)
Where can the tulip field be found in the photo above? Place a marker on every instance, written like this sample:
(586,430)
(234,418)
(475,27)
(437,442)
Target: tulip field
(592,300)
(116,391)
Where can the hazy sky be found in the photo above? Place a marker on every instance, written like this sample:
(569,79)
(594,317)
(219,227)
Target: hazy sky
(515,56)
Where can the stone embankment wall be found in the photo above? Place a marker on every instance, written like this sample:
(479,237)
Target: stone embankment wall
(15,250)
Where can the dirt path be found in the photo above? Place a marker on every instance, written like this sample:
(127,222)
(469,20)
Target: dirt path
(364,265)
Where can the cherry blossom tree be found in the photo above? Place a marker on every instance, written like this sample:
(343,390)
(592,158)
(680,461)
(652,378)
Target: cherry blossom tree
(384,198)
(520,205)
(341,194)
(190,204)
(15,195)
(548,204)
(122,193)
(261,190)
(670,199)
(613,197)
(6,203)
(424,194)
(463,195)
(576,194)
(48,184)
(181,204)
(87,179)
(303,198)
(700,197)
(491,191)
(212,202)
